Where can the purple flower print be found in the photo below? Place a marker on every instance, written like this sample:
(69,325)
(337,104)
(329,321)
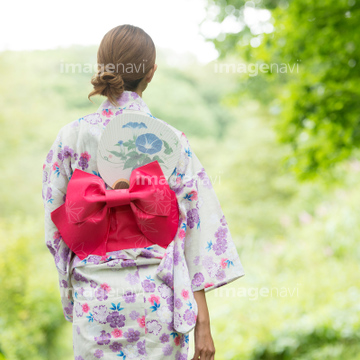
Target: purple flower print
(223,221)
(129,297)
(123,98)
(141,347)
(179,356)
(79,277)
(78,310)
(177,256)
(154,327)
(132,335)
(116,347)
(170,302)
(79,358)
(189,317)
(69,309)
(100,314)
(134,95)
(220,275)
(49,156)
(106,122)
(221,233)
(192,218)
(205,181)
(134,315)
(132,279)
(119,112)
(220,246)
(48,194)
(177,320)
(165,291)
(116,320)
(94,259)
(164,338)
(198,279)
(128,263)
(168,279)
(84,160)
(92,119)
(167,350)
(178,303)
(93,284)
(49,246)
(103,339)
(101,294)
(45,176)
(148,285)
(98,353)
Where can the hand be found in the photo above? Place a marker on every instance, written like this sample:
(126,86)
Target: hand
(204,344)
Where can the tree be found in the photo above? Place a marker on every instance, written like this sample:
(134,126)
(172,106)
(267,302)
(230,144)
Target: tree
(320,104)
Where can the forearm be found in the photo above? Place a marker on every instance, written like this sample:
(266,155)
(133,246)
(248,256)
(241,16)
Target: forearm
(203,311)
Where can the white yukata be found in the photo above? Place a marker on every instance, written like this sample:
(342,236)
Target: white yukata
(154,311)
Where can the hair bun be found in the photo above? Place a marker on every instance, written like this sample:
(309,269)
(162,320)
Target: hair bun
(108,84)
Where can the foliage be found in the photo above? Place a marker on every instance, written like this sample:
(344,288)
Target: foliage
(318,105)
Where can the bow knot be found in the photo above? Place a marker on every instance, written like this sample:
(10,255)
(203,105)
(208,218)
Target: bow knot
(146,213)
(117,197)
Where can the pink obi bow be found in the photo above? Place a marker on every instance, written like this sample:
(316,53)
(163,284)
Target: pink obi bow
(95,221)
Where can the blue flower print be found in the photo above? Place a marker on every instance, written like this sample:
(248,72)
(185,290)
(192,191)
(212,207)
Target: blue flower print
(188,151)
(148,143)
(90,317)
(135,125)
(116,307)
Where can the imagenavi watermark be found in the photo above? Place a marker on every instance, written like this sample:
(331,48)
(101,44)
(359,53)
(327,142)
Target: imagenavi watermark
(89,68)
(254,293)
(253,69)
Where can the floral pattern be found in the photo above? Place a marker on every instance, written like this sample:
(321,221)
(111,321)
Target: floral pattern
(158,303)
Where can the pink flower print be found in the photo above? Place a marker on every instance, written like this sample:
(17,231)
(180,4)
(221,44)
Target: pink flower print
(105,287)
(182,234)
(208,285)
(193,195)
(154,298)
(177,340)
(178,179)
(185,294)
(85,155)
(107,113)
(141,321)
(44,166)
(117,333)
(55,166)
(223,263)
(85,308)
(83,160)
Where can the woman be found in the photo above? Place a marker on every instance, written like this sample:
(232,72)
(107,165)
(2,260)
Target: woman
(167,296)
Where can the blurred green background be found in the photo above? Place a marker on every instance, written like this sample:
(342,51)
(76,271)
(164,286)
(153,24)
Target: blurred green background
(281,149)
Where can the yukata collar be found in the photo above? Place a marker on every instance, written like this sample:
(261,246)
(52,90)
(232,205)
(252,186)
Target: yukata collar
(129,100)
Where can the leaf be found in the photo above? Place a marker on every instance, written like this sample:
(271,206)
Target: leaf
(156,157)
(168,149)
(130,163)
(116,153)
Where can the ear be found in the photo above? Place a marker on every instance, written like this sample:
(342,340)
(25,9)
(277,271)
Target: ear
(151,73)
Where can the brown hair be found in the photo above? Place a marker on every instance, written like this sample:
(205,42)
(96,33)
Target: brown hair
(123,48)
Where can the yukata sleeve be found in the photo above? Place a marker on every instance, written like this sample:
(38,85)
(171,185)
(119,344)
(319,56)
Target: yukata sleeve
(56,175)
(210,253)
